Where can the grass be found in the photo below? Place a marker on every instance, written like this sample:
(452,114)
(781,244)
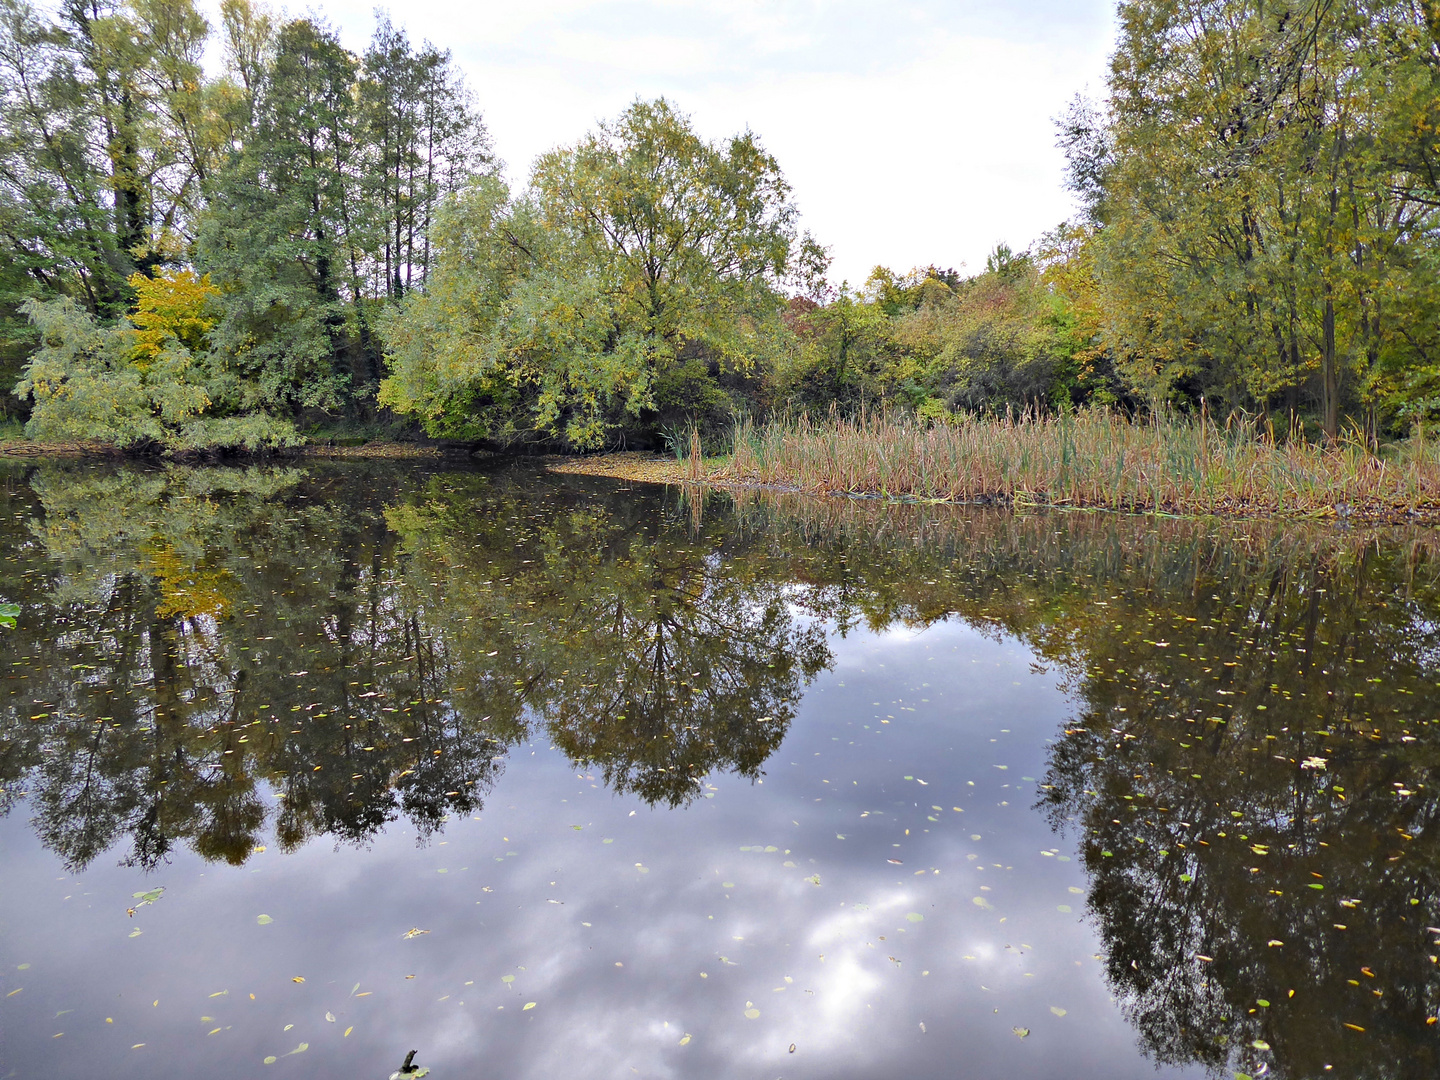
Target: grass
(1095,459)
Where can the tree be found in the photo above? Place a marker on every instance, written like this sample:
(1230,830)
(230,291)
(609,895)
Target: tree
(85,385)
(1262,242)
(174,305)
(129,387)
(277,236)
(557,315)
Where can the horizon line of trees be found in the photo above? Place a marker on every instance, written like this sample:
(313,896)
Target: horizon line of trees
(319,236)
(254,223)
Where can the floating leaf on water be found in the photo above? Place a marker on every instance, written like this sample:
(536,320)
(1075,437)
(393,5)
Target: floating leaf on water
(347,1032)
(974,836)
(1022,1032)
(685,1041)
(1262,1003)
(414,932)
(135,933)
(264,920)
(914,916)
(271,1060)
(149,896)
(298,979)
(1064,909)
(528,1005)
(752,1014)
(507,978)
(330,1017)
(1057,1010)
(981,902)
(298,1050)
(1260,1044)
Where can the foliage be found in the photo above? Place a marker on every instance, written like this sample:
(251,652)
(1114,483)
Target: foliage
(85,386)
(638,270)
(99,383)
(1268,216)
(301,180)
(933,340)
(171,305)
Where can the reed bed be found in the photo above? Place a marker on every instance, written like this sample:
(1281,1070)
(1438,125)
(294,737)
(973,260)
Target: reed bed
(1094,458)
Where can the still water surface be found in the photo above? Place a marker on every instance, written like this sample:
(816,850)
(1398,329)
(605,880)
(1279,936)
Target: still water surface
(539,776)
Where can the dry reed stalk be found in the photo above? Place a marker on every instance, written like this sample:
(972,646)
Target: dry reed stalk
(1091,459)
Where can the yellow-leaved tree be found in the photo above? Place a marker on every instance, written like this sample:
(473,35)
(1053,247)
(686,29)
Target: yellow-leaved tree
(172,304)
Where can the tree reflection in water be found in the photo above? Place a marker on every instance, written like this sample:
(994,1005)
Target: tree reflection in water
(214,633)
(1247,766)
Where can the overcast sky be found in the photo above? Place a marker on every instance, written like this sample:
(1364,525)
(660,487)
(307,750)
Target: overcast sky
(912,131)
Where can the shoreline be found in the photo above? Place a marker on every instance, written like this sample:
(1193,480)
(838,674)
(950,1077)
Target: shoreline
(639,467)
(647,467)
(22,448)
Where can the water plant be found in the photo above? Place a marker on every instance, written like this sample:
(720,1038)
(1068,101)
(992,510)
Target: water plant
(1092,458)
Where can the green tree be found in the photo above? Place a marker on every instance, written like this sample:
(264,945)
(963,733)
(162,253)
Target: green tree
(1262,238)
(276,237)
(557,315)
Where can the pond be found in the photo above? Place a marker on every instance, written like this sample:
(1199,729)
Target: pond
(306,767)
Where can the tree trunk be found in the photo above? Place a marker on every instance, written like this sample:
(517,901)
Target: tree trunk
(1330,371)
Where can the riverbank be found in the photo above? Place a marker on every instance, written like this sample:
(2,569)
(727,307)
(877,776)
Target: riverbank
(1093,461)
(394,451)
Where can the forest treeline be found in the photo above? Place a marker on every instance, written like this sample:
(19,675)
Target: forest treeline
(313,236)
(194,259)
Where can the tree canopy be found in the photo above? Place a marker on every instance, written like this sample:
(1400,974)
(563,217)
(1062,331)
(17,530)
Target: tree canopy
(637,266)
(298,185)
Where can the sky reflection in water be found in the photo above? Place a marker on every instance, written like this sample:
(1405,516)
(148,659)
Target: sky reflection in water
(890,785)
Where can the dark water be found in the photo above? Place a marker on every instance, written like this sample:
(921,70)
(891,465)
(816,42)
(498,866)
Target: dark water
(544,776)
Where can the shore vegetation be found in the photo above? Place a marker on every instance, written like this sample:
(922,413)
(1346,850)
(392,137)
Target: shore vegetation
(1095,458)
